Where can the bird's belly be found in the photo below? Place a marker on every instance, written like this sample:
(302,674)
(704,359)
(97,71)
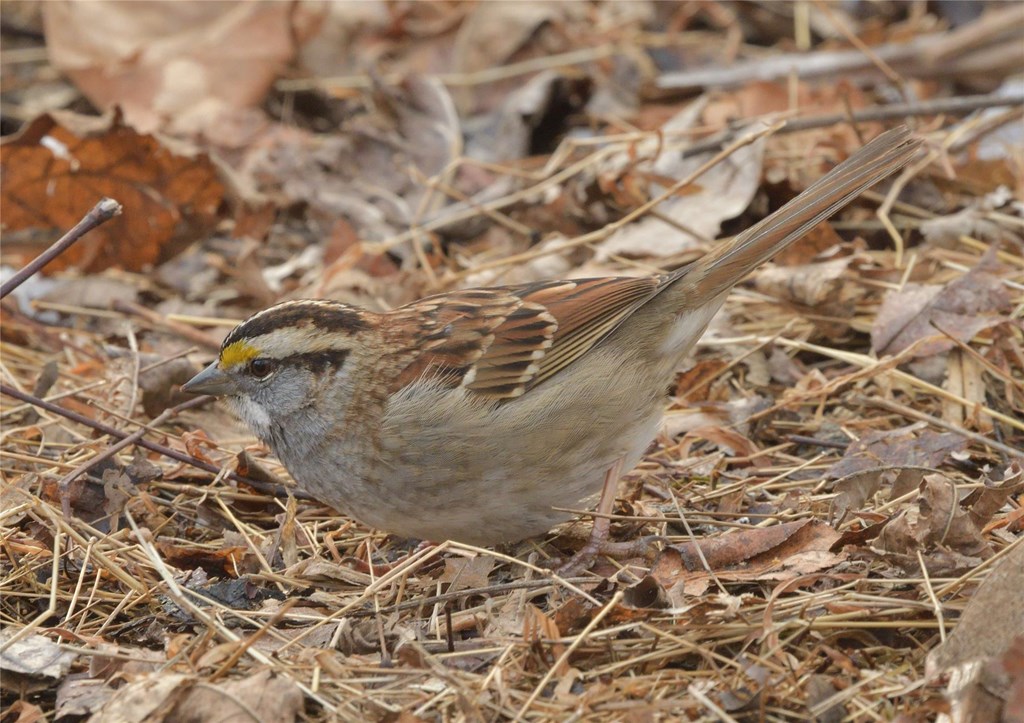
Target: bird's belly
(481,474)
(437,496)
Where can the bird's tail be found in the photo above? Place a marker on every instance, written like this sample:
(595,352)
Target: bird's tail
(716,272)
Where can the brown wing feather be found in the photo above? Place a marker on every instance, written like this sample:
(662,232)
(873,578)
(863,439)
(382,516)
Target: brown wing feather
(500,342)
(586,310)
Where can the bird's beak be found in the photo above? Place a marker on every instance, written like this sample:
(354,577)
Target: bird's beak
(211,380)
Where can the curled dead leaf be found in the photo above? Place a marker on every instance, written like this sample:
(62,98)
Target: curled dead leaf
(58,166)
(947,531)
(961,309)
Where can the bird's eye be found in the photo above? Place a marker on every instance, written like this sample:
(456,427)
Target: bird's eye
(261,368)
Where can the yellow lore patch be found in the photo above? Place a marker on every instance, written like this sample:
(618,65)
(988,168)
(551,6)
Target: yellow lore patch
(237,353)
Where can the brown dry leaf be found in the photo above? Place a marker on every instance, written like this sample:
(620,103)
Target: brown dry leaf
(646,594)
(726,439)
(184,63)
(538,629)
(898,448)
(761,98)
(778,552)
(150,700)
(465,573)
(81,695)
(996,608)
(983,659)
(818,284)
(313,569)
(372,174)
(495,33)
(974,302)
(934,523)
(32,661)
(983,503)
(215,562)
(691,219)
(856,488)
(820,242)
(26,713)
(945,231)
(58,167)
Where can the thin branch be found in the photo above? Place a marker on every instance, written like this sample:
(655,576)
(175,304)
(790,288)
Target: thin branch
(102,212)
(142,442)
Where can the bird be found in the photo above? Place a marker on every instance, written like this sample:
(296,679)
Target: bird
(481,415)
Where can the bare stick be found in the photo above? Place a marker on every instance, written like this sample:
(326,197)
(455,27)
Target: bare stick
(142,441)
(102,212)
(113,449)
(1011,452)
(892,111)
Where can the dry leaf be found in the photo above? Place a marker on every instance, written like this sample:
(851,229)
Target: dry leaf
(726,190)
(995,609)
(32,659)
(149,700)
(901,447)
(183,63)
(974,302)
(856,488)
(466,573)
(57,168)
(817,285)
(778,552)
(983,659)
(215,562)
(935,524)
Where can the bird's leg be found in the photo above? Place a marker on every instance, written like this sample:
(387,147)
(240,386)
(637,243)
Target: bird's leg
(598,544)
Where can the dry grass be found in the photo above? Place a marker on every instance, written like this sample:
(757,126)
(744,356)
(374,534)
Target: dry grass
(458,633)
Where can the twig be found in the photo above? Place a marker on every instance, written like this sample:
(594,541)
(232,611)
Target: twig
(113,449)
(893,111)
(912,413)
(102,212)
(936,605)
(564,657)
(177,594)
(142,441)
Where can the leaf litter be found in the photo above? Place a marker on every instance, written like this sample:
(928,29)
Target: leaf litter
(838,482)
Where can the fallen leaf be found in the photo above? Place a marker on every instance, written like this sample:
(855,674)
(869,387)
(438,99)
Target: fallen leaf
(856,488)
(726,190)
(945,231)
(902,447)
(465,573)
(149,700)
(985,501)
(982,657)
(966,306)
(995,609)
(779,552)
(540,629)
(33,659)
(26,713)
(58,166)
(215,562)
(182,64)
(813,285)
(935,525)
(646,594)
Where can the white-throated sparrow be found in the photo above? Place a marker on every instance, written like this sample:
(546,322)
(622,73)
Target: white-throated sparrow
(472,415)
